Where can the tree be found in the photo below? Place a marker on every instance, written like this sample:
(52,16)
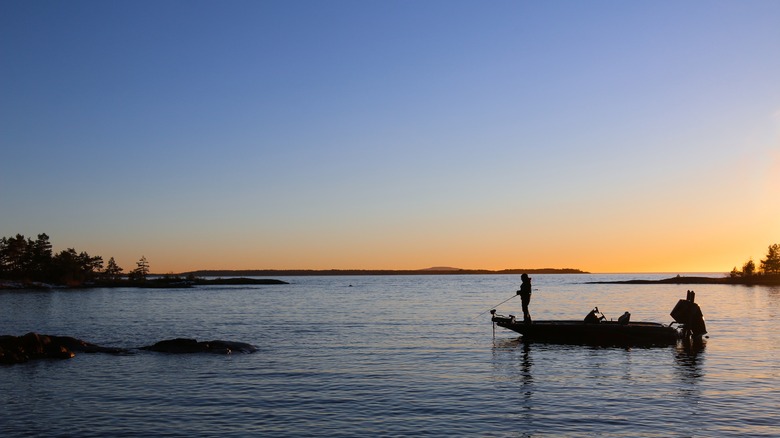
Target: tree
(771,265)
(113,271)
(91,266)
(66,267)
(3,257)
(141,270)
(40,257)
(74,268)
(749,268)
(16,256)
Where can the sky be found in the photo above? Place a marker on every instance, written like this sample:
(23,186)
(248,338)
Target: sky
(607,136)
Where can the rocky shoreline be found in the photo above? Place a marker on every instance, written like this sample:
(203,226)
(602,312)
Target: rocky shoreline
(35,346)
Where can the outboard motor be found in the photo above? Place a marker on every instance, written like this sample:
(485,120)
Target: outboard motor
(688,314)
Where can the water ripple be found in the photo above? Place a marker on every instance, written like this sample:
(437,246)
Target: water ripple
(391,356)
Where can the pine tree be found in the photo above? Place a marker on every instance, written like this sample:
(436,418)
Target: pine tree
(113,271)
(141,270)
(771,265)
(16,257)
(40,257)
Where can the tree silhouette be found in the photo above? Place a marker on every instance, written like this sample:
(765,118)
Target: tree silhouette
(75,269)
(141,270)
(15,257)
(749,268)
(41,257)
(113,271)
(771,265)
(25,259)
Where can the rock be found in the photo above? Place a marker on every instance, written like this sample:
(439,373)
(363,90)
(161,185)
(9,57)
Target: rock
(78,345)
(238,347)
(178,345)
(184,345)
(32,346)
(19,349)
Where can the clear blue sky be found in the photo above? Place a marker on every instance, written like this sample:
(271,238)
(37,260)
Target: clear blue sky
(600,135)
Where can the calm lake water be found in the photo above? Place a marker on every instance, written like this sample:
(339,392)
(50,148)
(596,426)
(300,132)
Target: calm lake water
(391,356)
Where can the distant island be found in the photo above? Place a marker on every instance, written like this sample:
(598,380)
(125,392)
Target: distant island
(758,280)
(439,270)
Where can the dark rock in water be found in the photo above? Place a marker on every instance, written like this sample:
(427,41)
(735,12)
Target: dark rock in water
(238,347)
(19,349)
(178,345)
(184,345)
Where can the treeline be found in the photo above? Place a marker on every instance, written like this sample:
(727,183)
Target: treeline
(769,266)
(28,261)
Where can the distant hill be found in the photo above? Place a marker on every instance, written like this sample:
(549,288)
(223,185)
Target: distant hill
(439,270)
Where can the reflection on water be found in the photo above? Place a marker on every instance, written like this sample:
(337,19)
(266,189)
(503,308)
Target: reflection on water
(773,295)
(690,352)
(526,365)
(508,369)
(689,360)
(689,357)
(619,385)
(522,369)
(513,364)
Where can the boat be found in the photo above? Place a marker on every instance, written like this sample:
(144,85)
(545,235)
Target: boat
(595,329)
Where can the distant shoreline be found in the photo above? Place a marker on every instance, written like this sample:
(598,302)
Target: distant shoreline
(154,283)
(757,280)
(355,272)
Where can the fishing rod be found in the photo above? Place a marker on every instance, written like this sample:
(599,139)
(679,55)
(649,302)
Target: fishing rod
(488,310)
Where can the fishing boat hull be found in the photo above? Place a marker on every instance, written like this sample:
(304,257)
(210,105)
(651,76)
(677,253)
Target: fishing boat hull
(595,329)
(602,333)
